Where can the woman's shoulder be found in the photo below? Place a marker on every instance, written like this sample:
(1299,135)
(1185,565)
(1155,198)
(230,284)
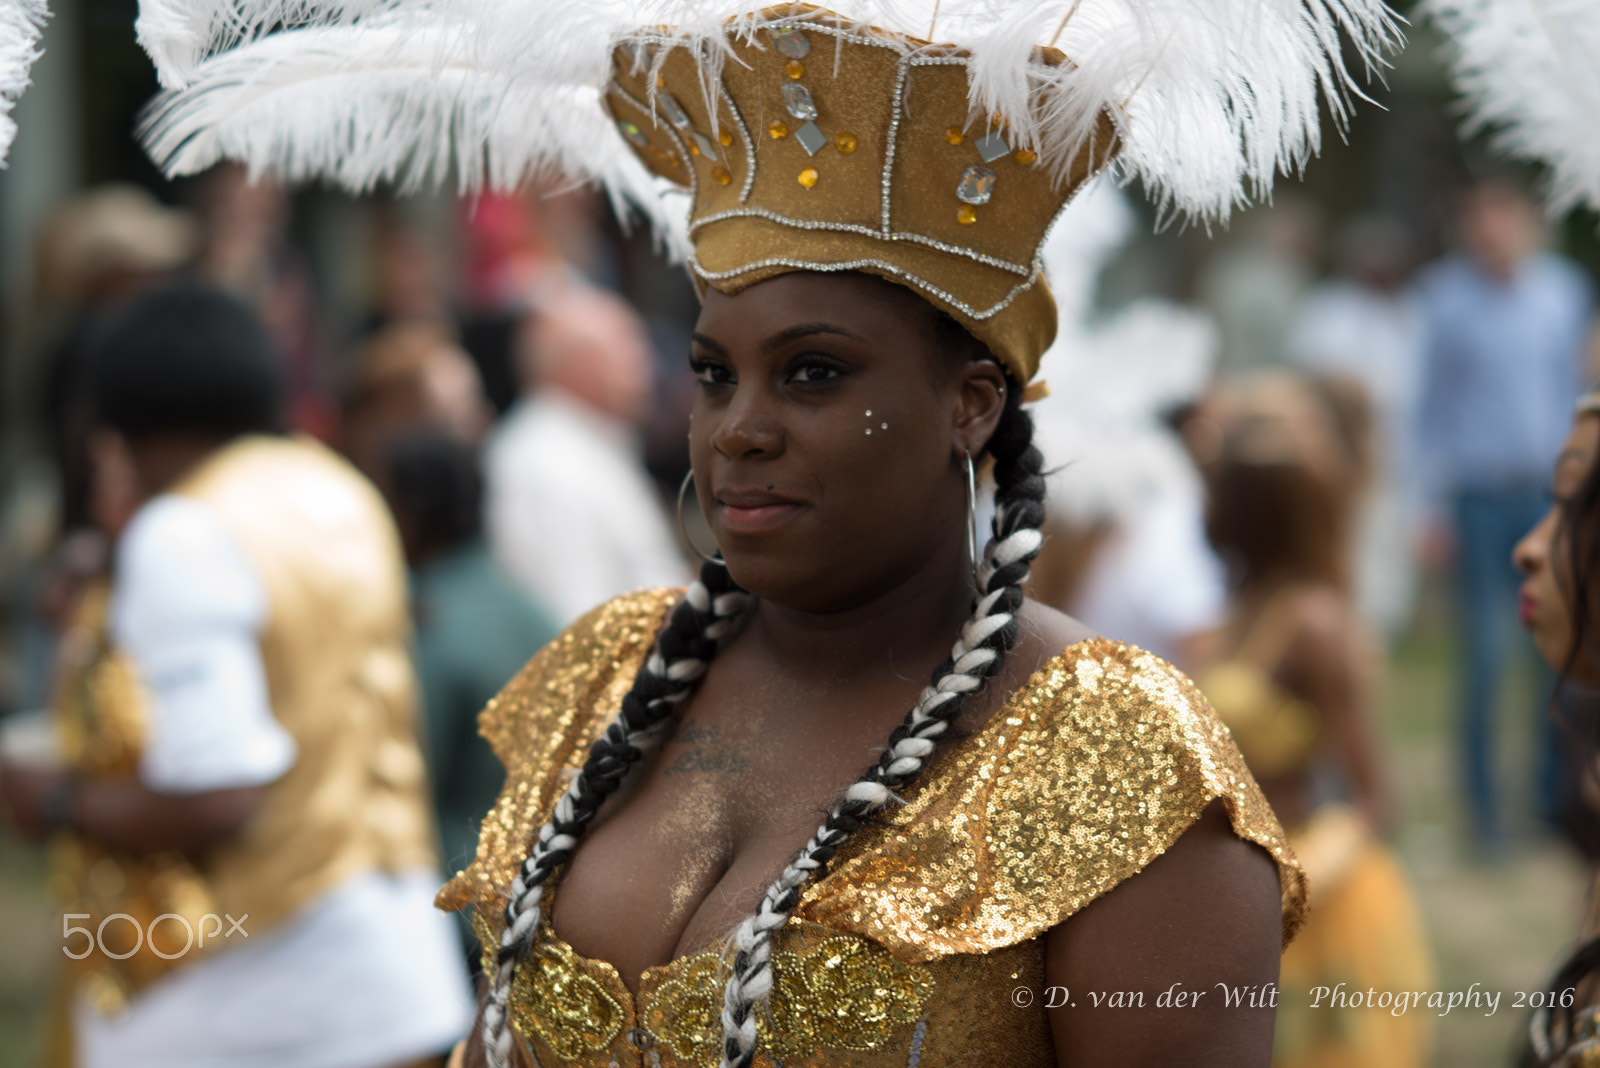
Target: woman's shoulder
(580,662)
(543,720)
(1091,769)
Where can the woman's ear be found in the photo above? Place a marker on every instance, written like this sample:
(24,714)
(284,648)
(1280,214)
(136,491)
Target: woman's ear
(980,400)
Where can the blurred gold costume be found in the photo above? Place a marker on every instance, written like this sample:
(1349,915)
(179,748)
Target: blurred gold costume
(339,679)
(908,949)
(1364,929)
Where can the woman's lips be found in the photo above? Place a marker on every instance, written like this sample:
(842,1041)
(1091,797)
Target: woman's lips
(754,520)
(755,512)
(1527,610)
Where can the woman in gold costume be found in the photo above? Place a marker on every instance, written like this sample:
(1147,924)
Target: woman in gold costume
(1560,563)
(1055,854)
(1291,674)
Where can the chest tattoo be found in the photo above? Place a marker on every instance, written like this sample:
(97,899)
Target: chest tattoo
(706,752)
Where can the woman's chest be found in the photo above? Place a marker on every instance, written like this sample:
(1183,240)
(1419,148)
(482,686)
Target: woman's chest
(718,812)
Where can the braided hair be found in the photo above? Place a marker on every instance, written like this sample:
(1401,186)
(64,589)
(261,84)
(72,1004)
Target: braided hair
(710,613)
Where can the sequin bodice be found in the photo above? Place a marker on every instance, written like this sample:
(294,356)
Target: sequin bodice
(908,949)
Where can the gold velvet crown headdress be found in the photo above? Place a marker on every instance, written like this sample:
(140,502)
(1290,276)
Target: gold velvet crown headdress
(806,139)
(830,150)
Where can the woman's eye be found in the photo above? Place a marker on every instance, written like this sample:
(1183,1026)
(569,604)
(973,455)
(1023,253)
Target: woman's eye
(708,373)
(811,373)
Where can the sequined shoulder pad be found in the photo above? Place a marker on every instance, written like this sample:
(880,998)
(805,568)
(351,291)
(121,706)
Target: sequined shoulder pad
(541,723)
(1085,776)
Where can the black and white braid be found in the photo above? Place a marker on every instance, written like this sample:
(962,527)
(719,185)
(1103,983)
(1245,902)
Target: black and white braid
(987,636)
(709,613)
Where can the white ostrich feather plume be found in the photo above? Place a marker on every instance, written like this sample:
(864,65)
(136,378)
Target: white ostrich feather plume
(1212,98)
(1529,70)
(1113,378)
(21,24)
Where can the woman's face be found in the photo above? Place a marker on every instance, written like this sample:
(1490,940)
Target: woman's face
(828,435)
(1543,557)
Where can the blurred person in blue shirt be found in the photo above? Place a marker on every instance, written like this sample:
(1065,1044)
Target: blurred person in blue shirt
(1506,324)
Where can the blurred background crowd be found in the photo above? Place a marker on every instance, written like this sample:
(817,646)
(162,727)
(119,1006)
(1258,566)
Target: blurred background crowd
(1296,457)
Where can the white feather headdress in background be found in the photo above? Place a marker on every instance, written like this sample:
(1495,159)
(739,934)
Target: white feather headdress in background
(21,23)
(1118,376)
(1529,70)
(1212,98)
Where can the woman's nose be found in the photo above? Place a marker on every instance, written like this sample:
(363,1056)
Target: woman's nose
(1533,551)
(747,428)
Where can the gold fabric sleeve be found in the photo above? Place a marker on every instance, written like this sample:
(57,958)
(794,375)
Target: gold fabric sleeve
(1086,775)
(1089,772)
(542,723)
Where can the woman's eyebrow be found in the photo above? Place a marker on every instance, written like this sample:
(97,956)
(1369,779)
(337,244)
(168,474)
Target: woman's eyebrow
(800,330)
(701,339)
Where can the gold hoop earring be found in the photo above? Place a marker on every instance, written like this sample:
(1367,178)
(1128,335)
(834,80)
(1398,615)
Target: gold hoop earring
(683,487)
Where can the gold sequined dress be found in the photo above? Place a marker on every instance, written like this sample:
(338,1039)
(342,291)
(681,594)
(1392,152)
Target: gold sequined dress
(907,949)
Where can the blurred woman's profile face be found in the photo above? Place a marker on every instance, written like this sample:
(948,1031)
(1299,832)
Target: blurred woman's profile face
(1544,556)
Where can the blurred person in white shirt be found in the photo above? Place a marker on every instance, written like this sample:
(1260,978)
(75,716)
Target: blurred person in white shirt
(245,850)
(572,513)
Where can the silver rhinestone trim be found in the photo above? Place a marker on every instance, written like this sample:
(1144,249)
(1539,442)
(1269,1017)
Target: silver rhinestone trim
(854,228)
(888,268)
(901,71)
(749,145)
(797,22)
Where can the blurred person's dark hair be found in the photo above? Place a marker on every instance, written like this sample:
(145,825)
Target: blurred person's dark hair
(433,485)
(187,358)
(1277,509)
(1577,539)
